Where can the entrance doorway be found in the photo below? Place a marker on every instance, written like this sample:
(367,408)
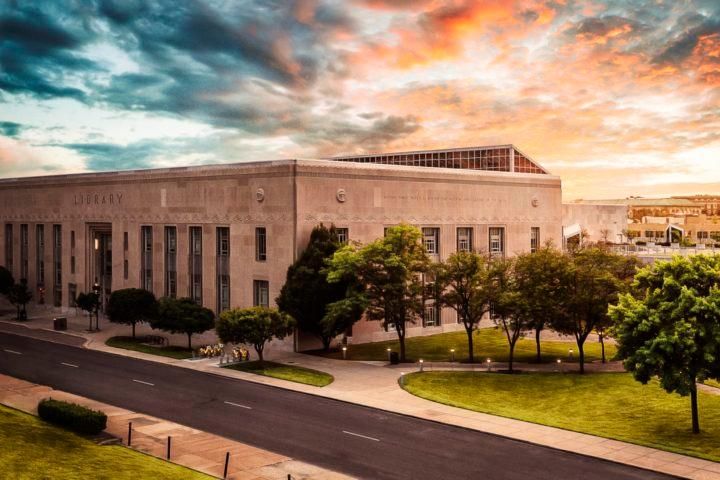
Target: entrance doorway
(100,271)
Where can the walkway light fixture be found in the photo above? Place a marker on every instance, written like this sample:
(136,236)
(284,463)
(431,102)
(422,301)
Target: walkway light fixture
(389,351)
(452,354)
(488,362)
(421,364)
(344,350)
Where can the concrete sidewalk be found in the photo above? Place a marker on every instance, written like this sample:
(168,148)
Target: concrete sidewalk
(191,448)
(375,384)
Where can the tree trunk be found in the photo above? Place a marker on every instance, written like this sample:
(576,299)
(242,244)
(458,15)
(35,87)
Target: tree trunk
(538,359)
(602,347)
(189,341)
(471,354)
(512,355)
(90,323)
(133,330)
(694,406)
(581,355)
(259,351)
(326,343)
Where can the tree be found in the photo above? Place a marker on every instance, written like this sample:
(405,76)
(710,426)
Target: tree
(307,293)
(509,311)
(88,302)
(6,281)
(463,284)
(593,281)
(19,295)
(538,277)
(182,315)
(255,326)
(131,306)
(669,326)
(390,269)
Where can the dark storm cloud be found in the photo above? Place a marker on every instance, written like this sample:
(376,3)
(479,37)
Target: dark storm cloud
(10,129)
(686,40)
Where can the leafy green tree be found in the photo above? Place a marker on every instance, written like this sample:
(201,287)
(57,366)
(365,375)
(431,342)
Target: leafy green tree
(130,306)
(390,271)
(6,281)
(182,315)
(593,281)
(669,326)
(19,295)
(255,326)
(539,281)
(509,310)
(463,284)
(307,293)
(88,302)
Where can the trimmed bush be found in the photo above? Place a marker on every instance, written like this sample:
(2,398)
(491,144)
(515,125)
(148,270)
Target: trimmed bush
(72,416)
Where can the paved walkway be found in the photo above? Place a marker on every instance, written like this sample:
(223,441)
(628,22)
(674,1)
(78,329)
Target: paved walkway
(375,384)
(189,447)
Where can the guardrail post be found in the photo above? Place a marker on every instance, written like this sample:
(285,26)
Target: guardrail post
(129,433)
(168,447)
(227,461)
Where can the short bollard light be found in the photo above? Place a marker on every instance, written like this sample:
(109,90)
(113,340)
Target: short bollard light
(452,354)
(402,379)
(489,363)
(570,353)
(389,351)
(421,364)
(344,350)
(559,364)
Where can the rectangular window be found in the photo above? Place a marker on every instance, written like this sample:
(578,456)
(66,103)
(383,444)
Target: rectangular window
(261,293)
(431,238)
(171,262)
(126,241)
(260,244)
(146,259)
(126,269)
(342,235)
(534,239)
(431,315)
(702,235)
(72,264)
(223,269)
(40,255)
(497,241)
(649,234)
(72,294)
(464,239)
(196,264)
(57,265)
(72,240)
(24,246)
(9,247)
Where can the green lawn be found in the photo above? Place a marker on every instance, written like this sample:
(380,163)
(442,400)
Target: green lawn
(611,405)
(488,343)
(33,450)
(292,373)
(129,344)
(712,383)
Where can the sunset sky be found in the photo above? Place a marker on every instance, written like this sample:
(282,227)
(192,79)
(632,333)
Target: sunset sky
(618,97)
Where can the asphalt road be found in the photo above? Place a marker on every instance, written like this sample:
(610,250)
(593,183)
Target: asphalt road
(355,440)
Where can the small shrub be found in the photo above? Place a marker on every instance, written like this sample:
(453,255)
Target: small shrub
(72,416)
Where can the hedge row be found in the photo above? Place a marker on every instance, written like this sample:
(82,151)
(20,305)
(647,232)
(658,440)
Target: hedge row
(72,416)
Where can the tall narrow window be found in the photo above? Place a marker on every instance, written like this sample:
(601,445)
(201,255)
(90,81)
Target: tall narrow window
(126,264)
(196,264)
(171,262)
(261,293)
(342,235)
(57,265)
(431,315)
(431,239)
(534,239)
(9,247)
(260,244)
(146,242)
(40,255)
(464,239)
(72,294)
(223,268)
(497,241)
(24,246)
(72,253)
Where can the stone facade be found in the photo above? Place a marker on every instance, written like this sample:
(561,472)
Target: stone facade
(287,198)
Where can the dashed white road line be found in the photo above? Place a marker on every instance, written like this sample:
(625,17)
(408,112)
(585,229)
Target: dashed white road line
(12,351)
(69,365)
(144,383)
(238,405)
(361,436)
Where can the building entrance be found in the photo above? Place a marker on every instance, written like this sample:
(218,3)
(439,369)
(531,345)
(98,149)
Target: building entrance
(101,264)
